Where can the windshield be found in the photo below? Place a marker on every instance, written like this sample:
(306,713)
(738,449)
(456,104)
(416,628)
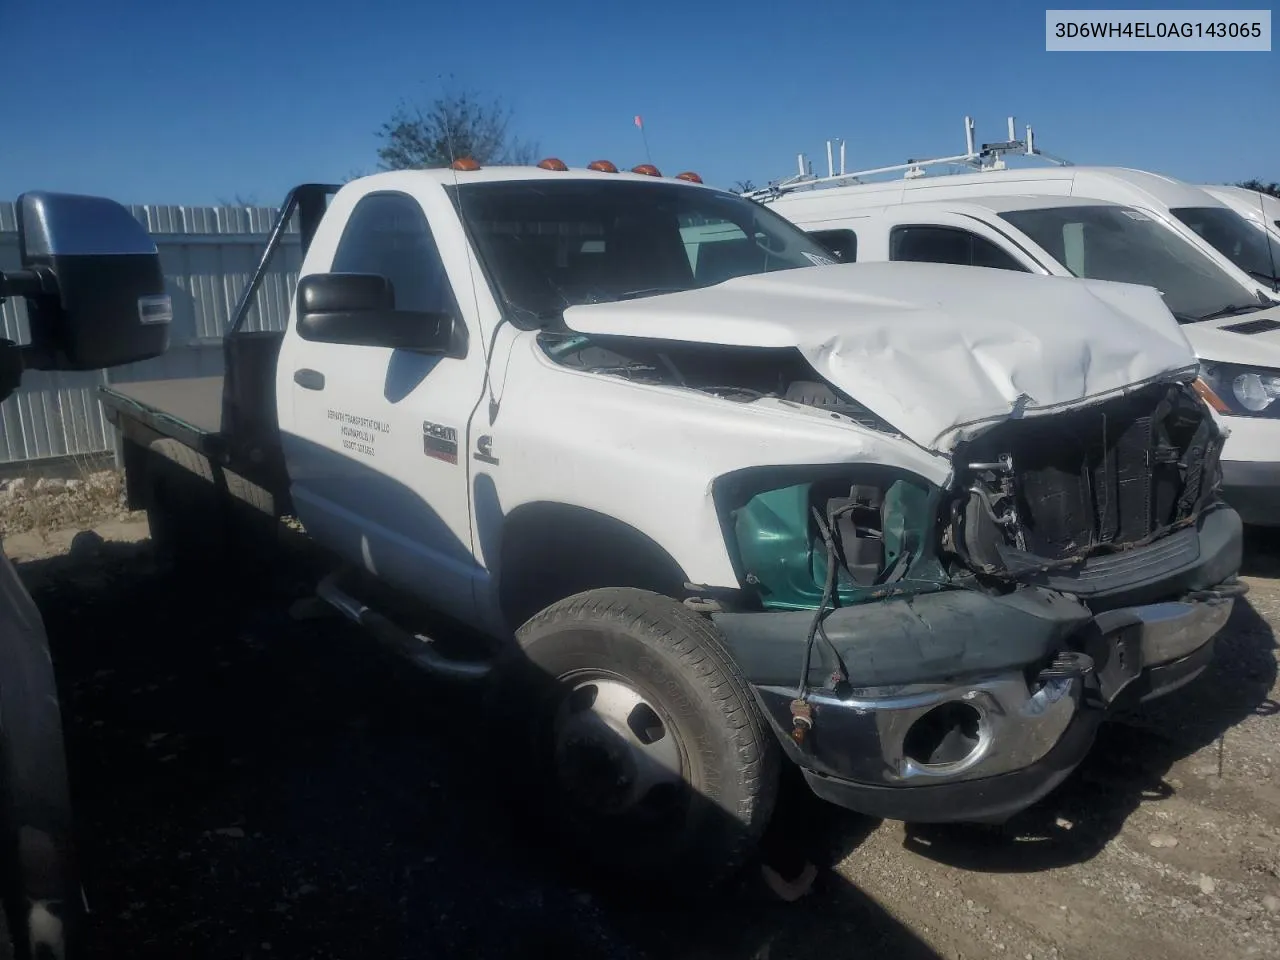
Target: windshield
(1245,244)
(548,245)
(1118,243)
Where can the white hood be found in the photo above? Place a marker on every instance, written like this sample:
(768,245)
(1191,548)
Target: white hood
(1255,341)
(935,350)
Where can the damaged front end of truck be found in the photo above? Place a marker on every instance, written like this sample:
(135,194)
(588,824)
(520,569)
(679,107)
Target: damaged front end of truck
(944,647)
(938,653)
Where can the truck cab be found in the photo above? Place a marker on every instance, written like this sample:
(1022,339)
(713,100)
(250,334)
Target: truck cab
(702,500)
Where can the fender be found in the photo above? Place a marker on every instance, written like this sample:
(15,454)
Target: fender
(553,550)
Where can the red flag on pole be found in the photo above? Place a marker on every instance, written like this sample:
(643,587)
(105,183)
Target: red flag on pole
(639,121)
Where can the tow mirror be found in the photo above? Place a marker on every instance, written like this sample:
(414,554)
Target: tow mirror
(93,282)
(359,310)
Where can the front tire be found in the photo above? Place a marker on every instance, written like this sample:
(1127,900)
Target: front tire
(644,746)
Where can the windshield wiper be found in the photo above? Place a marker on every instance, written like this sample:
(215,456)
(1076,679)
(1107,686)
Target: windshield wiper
(648,292)
(1230,310)
(1264,277)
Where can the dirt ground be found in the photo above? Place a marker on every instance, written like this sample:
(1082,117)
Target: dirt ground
(252,785)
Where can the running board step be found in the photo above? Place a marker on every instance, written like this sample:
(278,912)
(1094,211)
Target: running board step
(417,649)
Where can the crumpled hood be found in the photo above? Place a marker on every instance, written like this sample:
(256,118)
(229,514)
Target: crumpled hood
(936,350)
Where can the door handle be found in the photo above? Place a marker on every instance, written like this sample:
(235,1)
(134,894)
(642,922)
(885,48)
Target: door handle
(309,379)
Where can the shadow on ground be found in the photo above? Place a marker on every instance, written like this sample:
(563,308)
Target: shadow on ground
(1131,759)
(248,785)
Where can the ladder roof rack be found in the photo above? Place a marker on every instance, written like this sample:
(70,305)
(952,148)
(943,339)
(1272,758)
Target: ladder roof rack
(990,156)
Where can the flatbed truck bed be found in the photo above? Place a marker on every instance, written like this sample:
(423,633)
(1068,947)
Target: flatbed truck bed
(188,409)
(222,430)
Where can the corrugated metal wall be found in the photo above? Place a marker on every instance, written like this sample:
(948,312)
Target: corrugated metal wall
(208,254)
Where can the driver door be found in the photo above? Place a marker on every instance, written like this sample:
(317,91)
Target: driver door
(378,449)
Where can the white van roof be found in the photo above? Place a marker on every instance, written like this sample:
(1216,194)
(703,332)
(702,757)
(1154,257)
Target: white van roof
(1253,205)
(1117,184)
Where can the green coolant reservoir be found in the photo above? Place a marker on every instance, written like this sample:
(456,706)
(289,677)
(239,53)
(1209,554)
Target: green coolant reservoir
(781,549)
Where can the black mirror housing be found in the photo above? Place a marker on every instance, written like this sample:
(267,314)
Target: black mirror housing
(101,298)
(358,310)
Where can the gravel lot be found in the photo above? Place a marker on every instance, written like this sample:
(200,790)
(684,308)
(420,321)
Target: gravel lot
(250,785)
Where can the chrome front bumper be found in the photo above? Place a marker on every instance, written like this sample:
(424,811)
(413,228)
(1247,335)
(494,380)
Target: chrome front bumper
(930,736)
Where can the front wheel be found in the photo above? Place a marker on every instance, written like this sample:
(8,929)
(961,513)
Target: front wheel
(645,748)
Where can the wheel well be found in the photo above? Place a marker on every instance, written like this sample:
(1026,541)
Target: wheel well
(553,550)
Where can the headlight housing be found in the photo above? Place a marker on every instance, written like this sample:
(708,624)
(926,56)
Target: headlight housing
(1243,391)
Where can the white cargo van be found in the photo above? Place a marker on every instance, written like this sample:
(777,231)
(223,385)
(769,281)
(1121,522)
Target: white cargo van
(1260,209)
(1188,210)
(1250,204)
(1236,334)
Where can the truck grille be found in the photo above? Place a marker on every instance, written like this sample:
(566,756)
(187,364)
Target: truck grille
(1055,489)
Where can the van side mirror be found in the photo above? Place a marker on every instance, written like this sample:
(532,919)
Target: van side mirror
(94,285)
(359,310)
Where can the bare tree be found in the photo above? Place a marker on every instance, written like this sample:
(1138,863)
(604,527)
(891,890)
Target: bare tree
(1271,189)
(458,123)
(743,186)
(239,200)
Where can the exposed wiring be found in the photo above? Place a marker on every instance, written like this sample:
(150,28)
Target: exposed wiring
(815,627)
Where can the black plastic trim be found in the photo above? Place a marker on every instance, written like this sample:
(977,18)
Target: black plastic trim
(930,637)
(1196,558)
(1253,489)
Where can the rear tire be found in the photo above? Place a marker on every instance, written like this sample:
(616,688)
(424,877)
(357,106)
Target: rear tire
(205,519)
(644,748)
(185,510)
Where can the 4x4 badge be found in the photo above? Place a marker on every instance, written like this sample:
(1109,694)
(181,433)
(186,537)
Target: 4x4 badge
(484,450)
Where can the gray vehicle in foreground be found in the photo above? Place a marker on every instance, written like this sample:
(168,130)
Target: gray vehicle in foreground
(95,297)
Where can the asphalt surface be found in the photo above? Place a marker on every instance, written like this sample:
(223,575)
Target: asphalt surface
(250,785)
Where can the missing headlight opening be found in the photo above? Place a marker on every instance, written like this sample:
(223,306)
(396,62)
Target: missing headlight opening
(879,524)
(1108,477)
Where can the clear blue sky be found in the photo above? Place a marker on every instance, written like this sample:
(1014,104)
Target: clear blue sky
(173,101)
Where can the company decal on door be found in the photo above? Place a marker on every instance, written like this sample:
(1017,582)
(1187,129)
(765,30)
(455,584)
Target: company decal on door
(359,434)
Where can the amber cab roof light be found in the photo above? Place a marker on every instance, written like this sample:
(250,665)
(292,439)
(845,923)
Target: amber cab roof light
(552,163)
(648,169)
(690,176)
(465,163)
(603,166)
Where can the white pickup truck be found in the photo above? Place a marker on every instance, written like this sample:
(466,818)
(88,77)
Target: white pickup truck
(912,527)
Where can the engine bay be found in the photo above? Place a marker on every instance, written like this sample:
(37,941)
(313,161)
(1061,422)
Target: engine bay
(1108,477)
(740,374)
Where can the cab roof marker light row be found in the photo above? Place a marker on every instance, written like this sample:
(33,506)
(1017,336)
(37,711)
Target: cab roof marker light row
(469,164)
(989,156)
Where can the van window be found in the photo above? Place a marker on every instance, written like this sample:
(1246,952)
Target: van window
(843,243)
(931,244)
(1240,241)
(1111,242)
